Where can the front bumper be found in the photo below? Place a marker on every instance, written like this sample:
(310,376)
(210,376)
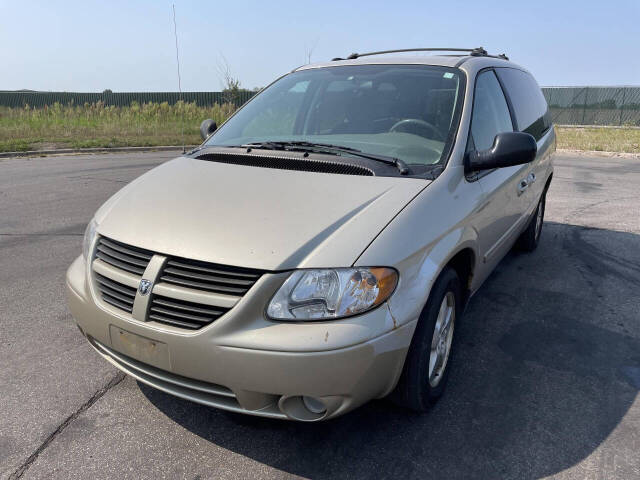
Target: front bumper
(246,363)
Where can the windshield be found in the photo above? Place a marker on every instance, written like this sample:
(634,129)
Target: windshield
(408,112)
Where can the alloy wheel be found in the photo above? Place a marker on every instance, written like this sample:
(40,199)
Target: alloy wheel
(442,339)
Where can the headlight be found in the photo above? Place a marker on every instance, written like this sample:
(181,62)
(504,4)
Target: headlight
(89,235)
(331,293)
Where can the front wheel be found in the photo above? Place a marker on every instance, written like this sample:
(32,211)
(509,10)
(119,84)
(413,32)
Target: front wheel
(529,239)
(425,372)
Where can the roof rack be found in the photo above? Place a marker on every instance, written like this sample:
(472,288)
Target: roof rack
(474,52)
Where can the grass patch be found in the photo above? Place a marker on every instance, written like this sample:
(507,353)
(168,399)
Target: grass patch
(152,124)
(99,125)
(599,139)
(17,145)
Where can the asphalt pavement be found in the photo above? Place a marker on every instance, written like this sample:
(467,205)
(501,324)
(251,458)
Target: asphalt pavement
(544,381)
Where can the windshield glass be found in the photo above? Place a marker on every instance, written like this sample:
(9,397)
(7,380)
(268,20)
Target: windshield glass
(405,111)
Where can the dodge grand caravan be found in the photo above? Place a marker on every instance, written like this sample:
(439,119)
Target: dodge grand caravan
(319,248)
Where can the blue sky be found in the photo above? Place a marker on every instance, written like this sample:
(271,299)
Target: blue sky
(129,45)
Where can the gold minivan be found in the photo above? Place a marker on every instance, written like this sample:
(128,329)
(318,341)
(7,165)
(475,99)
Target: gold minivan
(319,248)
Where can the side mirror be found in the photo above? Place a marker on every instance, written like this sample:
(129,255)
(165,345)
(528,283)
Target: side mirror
(508,149)
(207,128)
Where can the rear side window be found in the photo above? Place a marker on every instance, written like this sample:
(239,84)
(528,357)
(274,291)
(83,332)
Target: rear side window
(530,107)
(490,111)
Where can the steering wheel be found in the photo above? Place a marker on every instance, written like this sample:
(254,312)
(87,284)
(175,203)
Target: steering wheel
(398,127)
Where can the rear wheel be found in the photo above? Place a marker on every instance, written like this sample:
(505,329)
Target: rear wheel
(529,239)
(425,372)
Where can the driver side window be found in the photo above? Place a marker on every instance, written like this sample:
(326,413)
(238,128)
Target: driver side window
(490,111)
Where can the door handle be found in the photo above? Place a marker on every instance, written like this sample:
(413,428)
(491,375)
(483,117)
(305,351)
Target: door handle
(522,186)
(525,182)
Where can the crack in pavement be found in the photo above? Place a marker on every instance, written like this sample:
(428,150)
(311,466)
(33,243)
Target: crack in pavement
(584,208)
(19,472)
(87,177)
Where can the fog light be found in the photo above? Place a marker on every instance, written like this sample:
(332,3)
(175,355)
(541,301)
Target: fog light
(314,405)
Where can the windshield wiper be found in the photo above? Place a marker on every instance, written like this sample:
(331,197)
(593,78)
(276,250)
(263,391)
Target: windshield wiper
(282,144)
(197,149)
(330,148)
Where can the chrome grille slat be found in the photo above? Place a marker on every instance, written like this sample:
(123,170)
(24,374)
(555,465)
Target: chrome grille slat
(112,293)
(175,322)
(117,263)
(203,286)
(183,314)
(117,303)
(115,286)
(201,267)
(140,253)
(200,309)
(116,294)
(124,257)
(209,278)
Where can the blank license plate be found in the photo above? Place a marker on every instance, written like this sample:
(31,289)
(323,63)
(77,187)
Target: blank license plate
(141,348)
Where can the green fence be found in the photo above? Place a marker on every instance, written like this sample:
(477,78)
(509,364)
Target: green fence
(569,105)
(40,99)
(615,106)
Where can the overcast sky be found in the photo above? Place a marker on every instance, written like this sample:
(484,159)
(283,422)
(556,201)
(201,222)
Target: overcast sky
(129,45)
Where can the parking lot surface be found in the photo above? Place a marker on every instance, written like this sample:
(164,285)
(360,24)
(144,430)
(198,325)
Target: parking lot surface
(544,380)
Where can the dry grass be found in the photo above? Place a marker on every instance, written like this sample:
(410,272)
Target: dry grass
(599,139)
(99,125)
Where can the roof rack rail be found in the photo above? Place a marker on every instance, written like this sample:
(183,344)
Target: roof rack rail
(474,52)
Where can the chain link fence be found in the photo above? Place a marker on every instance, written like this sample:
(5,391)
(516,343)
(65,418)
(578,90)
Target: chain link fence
(613,106)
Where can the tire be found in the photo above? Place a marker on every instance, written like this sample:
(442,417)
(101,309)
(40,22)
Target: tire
(528,240)
(419,387)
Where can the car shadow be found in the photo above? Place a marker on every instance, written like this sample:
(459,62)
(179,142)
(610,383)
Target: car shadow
(546,365)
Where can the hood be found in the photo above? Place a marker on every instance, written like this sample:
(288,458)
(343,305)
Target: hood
(254,217)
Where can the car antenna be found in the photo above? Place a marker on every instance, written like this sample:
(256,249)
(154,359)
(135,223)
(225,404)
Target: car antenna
(175,33)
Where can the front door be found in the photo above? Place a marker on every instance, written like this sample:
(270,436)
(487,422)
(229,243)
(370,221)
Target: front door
(501,213)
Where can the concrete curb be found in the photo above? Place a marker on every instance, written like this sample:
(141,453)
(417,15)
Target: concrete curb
(71,151)
(615,127)
(597,153)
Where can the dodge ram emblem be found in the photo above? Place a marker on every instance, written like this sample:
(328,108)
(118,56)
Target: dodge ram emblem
(145,287)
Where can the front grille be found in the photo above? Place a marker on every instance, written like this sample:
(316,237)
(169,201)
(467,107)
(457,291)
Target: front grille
(116,262)
(180,313)
(124,257)
(116,294)
(209,276)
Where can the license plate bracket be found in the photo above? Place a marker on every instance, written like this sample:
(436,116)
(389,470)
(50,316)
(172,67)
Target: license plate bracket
(146,350)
